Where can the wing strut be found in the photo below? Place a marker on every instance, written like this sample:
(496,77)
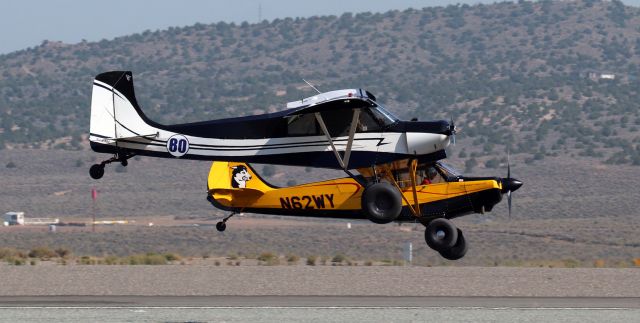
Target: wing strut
(352,133)
(415,207)
(342,161)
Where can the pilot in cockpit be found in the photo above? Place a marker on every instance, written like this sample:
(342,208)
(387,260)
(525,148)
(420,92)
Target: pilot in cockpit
(430,176)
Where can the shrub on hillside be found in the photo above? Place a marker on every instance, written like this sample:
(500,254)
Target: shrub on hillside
(6,253)
(311,260)
(42,253)
(268,258)
(339,258)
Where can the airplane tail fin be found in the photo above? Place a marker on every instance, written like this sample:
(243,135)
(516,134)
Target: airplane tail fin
(236,176)
(232,184)
(115,112)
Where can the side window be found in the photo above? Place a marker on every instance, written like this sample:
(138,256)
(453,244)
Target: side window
(367,122)
(302,125)
(337,121)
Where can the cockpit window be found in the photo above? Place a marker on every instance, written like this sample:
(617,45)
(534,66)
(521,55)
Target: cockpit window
(302,125)
(337,122)
(450,172)
(338,118)
(368,122)
(383,116)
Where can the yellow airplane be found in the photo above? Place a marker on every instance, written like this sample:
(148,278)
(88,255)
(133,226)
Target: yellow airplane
(430,193)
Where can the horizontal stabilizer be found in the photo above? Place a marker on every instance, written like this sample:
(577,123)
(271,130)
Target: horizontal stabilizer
(112,140)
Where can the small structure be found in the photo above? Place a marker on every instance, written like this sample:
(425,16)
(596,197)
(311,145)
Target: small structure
(41,221)
(14,218)
(18,218)
(596,76)
(607,76)
(408,253)
(111,222)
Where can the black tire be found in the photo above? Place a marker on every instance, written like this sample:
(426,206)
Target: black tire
(458,250)
(96,171)
(124,162)
(381,202)
(221,226)
(441,234)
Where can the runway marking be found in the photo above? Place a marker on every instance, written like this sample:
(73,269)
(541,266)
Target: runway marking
(330,303)
(319,307)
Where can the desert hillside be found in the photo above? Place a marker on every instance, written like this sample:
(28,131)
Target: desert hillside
(547,78)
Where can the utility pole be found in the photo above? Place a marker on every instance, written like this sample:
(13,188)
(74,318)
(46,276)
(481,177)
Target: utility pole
(259,12)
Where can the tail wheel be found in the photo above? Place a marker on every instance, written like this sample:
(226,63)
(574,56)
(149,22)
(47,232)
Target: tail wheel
(96,171)
(381,202)
(441,234)
(458,250)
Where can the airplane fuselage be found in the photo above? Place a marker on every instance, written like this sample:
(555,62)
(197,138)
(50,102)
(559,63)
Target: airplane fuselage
(341,198)
(310,132)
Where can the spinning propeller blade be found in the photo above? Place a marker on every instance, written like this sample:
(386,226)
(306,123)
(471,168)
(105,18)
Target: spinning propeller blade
(508,166)
(509,202)
(452,130)
(508,179)
(509,184)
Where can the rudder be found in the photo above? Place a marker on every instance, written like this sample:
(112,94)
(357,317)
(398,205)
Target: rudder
(114,109)
(235,175)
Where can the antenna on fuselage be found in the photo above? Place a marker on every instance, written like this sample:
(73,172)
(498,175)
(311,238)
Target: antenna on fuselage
(311,85)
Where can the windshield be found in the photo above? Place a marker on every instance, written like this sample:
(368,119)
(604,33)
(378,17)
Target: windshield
(448,170)
(383,116)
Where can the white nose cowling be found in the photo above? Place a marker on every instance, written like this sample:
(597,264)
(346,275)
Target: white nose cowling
(421,143)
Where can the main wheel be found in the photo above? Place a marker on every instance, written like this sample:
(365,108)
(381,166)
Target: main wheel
(458,250)
(441,234)
(381,202)
(96,171)
(221,226)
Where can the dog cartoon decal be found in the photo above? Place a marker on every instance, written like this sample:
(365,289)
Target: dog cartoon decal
(240,176)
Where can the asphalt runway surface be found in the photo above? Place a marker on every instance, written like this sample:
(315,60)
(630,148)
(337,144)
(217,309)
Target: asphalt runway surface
(316,308)
(317,294)
(186,280)
(222,301)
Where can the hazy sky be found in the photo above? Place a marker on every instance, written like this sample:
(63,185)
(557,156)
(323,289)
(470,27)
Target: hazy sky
(27,23)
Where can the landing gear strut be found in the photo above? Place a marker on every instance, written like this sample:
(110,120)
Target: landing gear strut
(97,170)
(222,225)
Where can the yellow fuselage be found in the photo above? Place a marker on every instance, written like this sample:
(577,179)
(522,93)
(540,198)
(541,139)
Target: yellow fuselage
(333,198)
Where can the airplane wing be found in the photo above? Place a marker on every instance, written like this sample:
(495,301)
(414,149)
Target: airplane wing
(350,99)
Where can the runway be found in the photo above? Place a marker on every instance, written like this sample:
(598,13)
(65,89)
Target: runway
(317,294)
(319,281)
(221,301)
(316,308)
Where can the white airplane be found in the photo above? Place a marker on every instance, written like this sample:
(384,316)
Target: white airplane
(344,129)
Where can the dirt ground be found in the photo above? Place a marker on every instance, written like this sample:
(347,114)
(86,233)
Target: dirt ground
(492,242)
(570,212)
(324,280)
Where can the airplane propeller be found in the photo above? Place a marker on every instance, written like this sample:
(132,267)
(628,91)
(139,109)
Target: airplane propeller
(508,177)
(452,131)
(509,184)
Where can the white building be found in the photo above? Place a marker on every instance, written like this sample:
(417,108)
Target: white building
(607,76)
(14,218)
